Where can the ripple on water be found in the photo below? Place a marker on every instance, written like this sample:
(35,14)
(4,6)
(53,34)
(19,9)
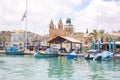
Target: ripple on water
(59,68)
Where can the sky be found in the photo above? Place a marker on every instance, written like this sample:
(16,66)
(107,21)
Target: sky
(91,14)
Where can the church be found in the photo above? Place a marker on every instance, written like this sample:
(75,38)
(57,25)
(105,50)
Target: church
(60,29)
(67,30)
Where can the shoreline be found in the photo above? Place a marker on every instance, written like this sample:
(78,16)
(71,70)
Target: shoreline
(60,54)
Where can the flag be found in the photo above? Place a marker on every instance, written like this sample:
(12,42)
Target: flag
(24,16)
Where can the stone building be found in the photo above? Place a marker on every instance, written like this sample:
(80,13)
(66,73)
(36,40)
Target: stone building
(67,30)
(60,30)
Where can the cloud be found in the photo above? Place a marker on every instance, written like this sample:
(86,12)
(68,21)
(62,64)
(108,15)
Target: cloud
(82,12)
(106,17)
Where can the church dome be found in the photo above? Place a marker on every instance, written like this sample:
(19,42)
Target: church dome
(68,20)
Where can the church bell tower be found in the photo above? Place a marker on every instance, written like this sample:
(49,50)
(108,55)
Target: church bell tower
(60,24)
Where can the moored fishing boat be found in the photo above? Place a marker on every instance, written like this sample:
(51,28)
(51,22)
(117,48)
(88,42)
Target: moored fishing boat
(46,53)
(72,55)
(106,55)
(94,55)
(13,51)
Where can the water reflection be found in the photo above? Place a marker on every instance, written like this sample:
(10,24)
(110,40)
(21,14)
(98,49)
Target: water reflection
(60,68)
(75,69)
(57,68)
(101,69)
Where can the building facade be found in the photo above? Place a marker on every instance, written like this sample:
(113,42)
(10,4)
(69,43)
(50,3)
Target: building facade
(67,30)
(60,30)
(18,38)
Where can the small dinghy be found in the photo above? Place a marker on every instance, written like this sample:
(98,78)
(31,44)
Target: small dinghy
(72,55)
(106,55)
(93,55)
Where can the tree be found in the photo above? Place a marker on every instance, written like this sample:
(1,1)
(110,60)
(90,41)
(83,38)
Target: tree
(94,34)
(118,39)
(98,34)
(4,40)
(0,40)
(107,38)
(101,34)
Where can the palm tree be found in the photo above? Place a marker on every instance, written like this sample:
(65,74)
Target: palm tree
(107,38)
(118,39)
(0,40)
(94,34)
(4,40)
(98,34)
(101,34)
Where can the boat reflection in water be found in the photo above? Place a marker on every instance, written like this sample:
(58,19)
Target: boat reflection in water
(57,68)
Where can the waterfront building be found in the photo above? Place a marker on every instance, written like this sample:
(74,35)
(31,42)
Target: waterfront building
(18,37)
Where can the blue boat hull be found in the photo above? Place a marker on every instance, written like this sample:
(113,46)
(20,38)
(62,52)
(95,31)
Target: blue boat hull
(106,55)
(69,56)
(14,53)
(40,55)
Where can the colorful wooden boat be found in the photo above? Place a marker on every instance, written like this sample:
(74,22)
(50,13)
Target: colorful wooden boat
(13,51)
(46,53)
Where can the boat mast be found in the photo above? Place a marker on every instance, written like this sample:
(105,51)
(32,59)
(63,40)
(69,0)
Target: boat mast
(26,27)
(97,15)
(97,19)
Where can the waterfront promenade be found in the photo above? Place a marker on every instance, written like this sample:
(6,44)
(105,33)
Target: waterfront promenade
(28,52)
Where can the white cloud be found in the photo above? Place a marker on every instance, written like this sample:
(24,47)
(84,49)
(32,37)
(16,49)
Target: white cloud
(40,13)
(108,16)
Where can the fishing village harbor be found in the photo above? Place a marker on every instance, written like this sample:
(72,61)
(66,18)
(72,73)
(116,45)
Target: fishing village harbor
(60,40)
(63,38)
(61,44)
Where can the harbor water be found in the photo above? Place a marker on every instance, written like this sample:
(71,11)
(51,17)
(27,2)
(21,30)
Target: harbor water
(57,68)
